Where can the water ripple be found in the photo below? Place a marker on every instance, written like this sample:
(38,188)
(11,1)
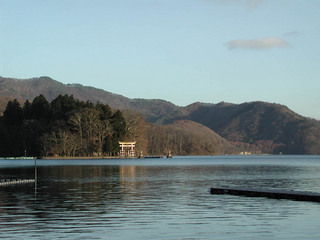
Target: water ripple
(160,202)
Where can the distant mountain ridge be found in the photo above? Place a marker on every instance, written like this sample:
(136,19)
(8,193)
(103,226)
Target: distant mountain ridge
(259,126)
(271,128)
(30,88)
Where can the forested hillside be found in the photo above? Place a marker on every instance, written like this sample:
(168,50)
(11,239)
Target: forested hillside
(187,138)
(266,127)
(256,127)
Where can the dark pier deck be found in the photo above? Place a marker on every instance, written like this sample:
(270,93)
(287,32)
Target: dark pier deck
(277,194)
(155,156)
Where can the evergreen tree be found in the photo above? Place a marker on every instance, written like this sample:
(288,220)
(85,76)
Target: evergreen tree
(115,145)
(107,147)
(119,124)
(62,105)
(13,134)
(27,110)
(40,107)
(89,104)
(104,110)
(13,115)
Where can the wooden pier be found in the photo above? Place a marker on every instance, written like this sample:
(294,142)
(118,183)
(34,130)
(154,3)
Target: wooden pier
(154,156)
(277,194)
(8,182)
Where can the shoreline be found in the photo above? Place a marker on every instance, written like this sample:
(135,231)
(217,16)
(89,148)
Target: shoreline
(79,158)
(137,157)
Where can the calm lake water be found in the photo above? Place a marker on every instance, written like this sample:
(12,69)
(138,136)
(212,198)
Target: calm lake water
(159,199)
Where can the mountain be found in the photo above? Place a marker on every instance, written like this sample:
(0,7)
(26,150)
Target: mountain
(271,128)
(30,88)
(259,127)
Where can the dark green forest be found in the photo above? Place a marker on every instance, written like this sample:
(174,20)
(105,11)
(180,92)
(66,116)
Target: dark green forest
(65,127)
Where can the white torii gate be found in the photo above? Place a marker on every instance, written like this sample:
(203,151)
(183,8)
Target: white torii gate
(127,149)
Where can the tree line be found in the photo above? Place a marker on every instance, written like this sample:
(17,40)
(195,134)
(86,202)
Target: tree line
(65,127)
(68,127)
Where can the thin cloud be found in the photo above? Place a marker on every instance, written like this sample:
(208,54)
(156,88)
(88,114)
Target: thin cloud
(250,4)
(293,33)
(226,1)
(258,44)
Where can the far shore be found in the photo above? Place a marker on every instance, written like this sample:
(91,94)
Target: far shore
(76,158)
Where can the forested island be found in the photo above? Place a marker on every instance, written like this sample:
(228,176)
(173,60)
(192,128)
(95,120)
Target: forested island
(64,127)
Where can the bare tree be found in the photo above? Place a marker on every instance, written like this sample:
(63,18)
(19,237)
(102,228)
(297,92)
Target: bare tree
(136,129)
(77,124)
(103,129)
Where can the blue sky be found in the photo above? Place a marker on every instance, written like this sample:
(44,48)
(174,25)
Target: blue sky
(182,51)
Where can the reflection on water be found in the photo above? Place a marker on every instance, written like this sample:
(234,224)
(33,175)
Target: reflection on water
(159,200)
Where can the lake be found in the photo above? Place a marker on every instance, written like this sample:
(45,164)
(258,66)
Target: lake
(159,198)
